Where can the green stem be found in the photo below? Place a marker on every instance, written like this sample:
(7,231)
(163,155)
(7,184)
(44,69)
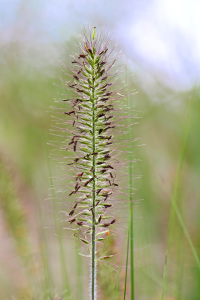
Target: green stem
(93,192)
(125,283)
(130,199)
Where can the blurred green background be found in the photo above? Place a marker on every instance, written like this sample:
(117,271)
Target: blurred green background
(161,45)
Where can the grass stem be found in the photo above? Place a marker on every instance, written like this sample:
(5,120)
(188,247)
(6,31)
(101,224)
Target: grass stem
(126,272)
(94,188)
(130,196)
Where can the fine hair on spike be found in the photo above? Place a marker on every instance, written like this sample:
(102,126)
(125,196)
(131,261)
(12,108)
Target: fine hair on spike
(92,106)
(90,117)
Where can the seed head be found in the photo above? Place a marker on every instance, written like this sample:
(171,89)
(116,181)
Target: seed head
(92,116)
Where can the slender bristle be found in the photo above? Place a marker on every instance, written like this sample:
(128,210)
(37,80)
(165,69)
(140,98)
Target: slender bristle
(91,116)
(92,108)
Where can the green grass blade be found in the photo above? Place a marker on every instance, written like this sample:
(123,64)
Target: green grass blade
(130,196)
(116,292)
(47,283)
(180,219)
(174,208)
(126,272)
(79,272)
(156,279)
(62,256)
(179,260)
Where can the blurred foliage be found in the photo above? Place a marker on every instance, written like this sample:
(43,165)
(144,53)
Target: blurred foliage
(27,92)
(16,222)
(108,270)
(13,211)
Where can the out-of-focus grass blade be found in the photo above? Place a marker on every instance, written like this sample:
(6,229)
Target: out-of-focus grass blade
(79,273)
(62,256)
(47,281)
(116,292)
(126,271)
(174,207)
(159,282)
(130,194)
(179,263)
(65,279)
(16,222)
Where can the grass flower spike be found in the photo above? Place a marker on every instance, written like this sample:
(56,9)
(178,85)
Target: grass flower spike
(92,119)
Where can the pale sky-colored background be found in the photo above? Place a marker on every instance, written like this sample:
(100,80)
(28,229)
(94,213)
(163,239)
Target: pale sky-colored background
(161,38)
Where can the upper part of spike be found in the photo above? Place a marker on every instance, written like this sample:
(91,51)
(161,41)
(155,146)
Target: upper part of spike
(94,33)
